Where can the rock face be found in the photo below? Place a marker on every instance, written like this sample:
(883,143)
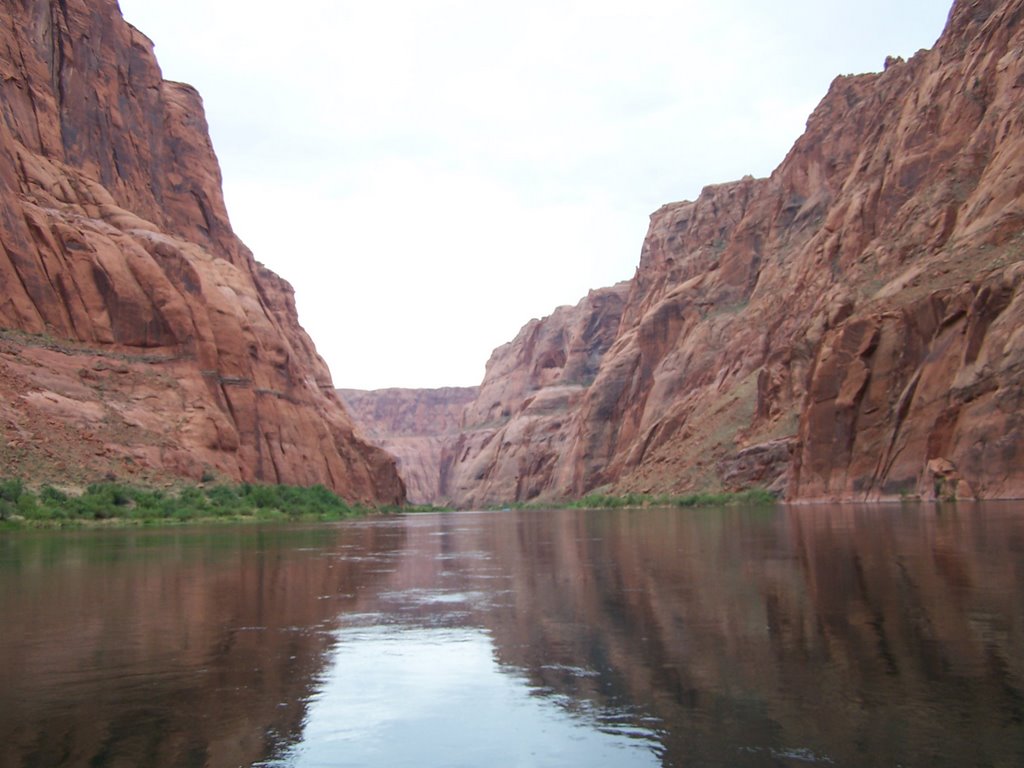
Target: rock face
(139,336)
(513,435)
(419,427)
(848,328)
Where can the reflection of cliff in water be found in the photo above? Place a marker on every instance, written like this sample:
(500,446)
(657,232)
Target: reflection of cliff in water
(743,637)
(220,637)
(757,636)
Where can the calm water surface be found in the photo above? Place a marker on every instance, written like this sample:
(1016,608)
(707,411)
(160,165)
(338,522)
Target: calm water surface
(839,636)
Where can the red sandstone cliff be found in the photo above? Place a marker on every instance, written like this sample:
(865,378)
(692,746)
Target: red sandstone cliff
(848,328)
(137,334)
(418,427)
(523,418)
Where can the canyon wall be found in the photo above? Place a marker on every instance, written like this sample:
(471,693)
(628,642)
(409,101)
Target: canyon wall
(849,328)
(479,445)
(138,336)
(418,427)
(522,419)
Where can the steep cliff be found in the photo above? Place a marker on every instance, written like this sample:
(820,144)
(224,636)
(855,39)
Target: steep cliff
(523,417)
(419,427)
(471,445)
(139,336)
(848,328)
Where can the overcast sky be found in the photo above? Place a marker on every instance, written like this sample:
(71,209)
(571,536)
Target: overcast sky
(431,175)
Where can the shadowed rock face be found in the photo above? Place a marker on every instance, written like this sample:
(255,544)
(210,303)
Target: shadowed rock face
(848,328)
(416,426)
(139,336)
(490,444)
(521,421)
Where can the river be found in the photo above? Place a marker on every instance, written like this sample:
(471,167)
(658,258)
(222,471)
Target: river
(788,636)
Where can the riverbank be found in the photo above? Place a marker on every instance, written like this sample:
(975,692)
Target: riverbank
(117,504)
(114,504)
(642,500)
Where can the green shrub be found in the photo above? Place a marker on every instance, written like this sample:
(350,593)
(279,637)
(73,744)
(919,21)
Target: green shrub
(11,490)
(27,506)
(605,501)
(50,495)
(111,499)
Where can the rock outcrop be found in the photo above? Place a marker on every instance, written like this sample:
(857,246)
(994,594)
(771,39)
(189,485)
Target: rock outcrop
(848,328)
(139,336)
(419,427)
(514,434)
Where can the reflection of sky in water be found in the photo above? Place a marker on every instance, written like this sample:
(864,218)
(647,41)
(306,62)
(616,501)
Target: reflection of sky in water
(400,696)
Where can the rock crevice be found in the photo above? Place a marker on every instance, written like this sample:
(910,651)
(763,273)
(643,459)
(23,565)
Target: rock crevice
(116,245)
(847,328)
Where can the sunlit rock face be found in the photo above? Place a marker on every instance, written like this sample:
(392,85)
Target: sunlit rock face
(418,427)
(848,328)
(139,336)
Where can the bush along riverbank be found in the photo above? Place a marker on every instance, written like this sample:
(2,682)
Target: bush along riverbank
(640,500)
(112,503)
(721,499)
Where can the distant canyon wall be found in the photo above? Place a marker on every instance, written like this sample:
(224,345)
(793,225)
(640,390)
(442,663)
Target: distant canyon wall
(473,445)
(522,420)
(138,336)
(849,328)
(419,427)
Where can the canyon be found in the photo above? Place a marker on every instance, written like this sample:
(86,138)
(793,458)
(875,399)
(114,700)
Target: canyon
(419,427)
(139,338)
(849,328)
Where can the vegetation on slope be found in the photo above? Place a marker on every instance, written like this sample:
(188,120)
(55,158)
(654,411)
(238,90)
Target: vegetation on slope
(112,501)
(635,500)
(119,503)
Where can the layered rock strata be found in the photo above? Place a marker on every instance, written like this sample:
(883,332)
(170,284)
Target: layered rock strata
(139,336)
(848,328)
(524,418)
(419,427)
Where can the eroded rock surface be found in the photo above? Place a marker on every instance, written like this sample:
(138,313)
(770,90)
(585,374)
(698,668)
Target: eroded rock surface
(418,427)
(139,336)
(523,417)
(848,328)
